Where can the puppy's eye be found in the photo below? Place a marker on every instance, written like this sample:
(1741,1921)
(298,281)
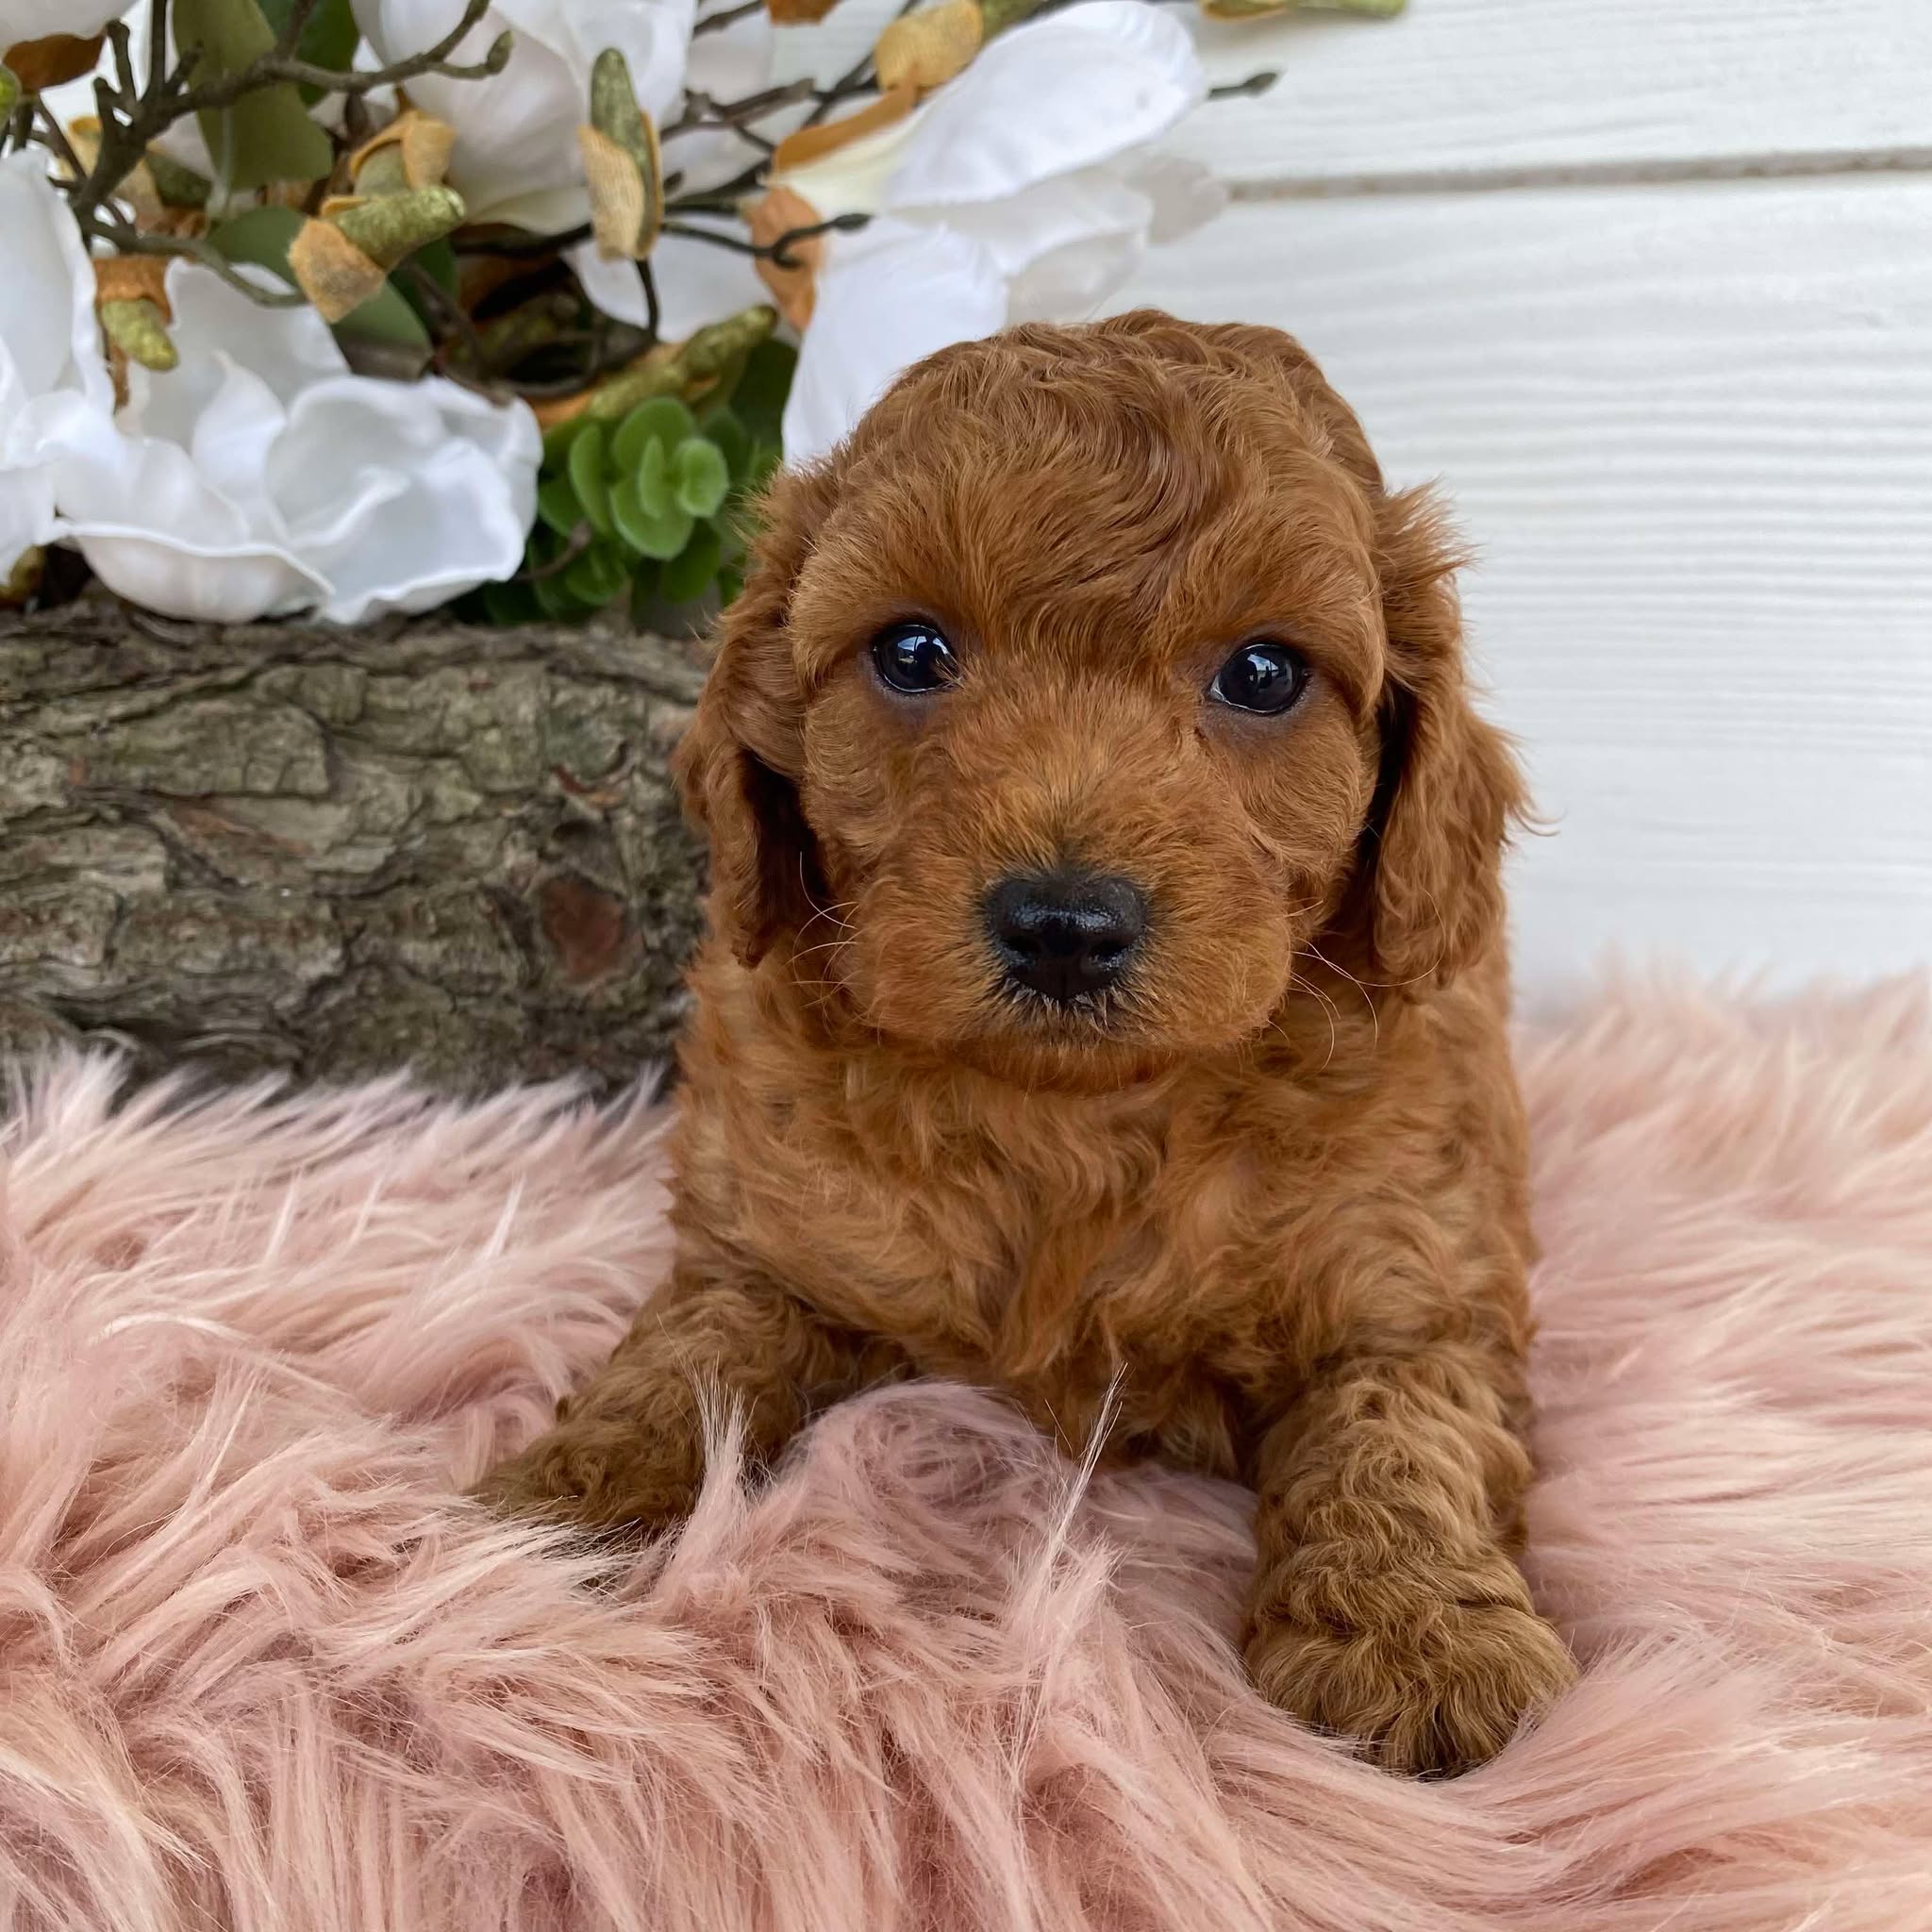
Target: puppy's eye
(1261,676)
(914,658)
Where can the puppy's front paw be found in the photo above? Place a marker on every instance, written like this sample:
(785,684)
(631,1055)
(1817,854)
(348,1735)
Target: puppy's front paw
(1440,1691)
(602,1480)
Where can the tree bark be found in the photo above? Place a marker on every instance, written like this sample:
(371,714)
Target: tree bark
(338,853)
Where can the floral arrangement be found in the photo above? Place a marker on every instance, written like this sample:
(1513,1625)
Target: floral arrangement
(358,306)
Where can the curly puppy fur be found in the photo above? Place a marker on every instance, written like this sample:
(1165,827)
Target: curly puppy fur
(1262,1210)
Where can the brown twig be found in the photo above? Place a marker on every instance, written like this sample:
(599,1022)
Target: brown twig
(520,247)
(729,16)
(54,138)
(779,250)
(704,111)
(450,310)
(1255,84)
(653,315)
(579,541)
(129,127)
(129,240)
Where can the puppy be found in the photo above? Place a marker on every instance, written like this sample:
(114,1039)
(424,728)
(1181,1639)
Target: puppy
(1106,987)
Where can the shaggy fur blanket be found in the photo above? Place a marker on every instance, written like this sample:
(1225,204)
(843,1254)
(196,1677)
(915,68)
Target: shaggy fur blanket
(260,1668)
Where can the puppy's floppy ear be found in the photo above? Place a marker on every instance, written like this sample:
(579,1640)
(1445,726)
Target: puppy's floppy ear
(1428,892)
(739,762)
(1448,787)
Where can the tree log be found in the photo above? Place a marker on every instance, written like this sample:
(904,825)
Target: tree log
(333,853)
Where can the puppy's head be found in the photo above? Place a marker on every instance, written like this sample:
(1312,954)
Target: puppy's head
(1092,681)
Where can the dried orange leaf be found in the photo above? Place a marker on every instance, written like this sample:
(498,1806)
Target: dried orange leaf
(52,59)
(415,146)
(810,144)
(925,50)
(132,279)
(332,272)
(793,288)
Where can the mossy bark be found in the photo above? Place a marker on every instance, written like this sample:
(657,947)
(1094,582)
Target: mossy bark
(334,854)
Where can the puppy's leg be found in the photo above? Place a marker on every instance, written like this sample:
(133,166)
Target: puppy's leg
(628,1446)
(1386,1604)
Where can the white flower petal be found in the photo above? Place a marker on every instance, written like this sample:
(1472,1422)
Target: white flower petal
(289,350)
(1059,93)
(727,66)
(53,376)
(403,495)
(735,60)
(154,531)
(1185,195)
(1026,227)
(654,36)
(854,179)
(613,285)
(261,476)
(698,283)
(26,511)
(48,334)
(34,20)
(886,298)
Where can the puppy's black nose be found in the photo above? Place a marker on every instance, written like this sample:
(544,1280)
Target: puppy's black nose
(1065,934)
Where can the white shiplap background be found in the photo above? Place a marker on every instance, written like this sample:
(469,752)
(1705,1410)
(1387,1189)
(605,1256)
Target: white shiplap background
(1648,287)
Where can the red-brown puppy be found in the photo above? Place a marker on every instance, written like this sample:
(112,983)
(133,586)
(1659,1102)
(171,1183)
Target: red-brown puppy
(1107,980)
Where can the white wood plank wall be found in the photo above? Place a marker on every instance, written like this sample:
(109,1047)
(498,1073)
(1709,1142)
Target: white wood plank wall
(1648,288)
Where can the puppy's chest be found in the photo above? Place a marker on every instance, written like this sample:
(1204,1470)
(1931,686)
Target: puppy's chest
(1041,1252)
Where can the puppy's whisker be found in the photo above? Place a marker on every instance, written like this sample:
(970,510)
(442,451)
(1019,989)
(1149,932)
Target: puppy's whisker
(826,946)
(1328,1007)
(830,912)
(1374,1016)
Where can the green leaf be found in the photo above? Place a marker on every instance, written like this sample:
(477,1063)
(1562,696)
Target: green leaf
(661,535)
(663,419)
(729,434)
(730,586)
(653,479)
(759,400)
(586,464)
(267,135)
(597,576)
(693,572)
(702,478)
(510,604)
(765,462)
(437,260)
(329,40)
(557,503)
(560,436)
(556,599)
(261,236)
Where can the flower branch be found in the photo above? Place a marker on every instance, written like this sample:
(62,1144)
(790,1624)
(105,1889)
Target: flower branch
(779,250)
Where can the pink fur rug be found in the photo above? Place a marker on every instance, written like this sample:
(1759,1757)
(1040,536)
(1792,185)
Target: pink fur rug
(260,1668)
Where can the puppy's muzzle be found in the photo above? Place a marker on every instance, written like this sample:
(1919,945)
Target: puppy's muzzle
(1066,936)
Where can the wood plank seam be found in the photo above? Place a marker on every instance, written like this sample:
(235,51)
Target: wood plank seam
(1652,173)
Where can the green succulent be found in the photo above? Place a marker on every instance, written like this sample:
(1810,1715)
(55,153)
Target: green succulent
(654,508)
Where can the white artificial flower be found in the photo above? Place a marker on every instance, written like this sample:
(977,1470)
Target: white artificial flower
(52,372)
(516,156)
(697,281)
(261,476)
(899,293)
(1036,162)
(37,20)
